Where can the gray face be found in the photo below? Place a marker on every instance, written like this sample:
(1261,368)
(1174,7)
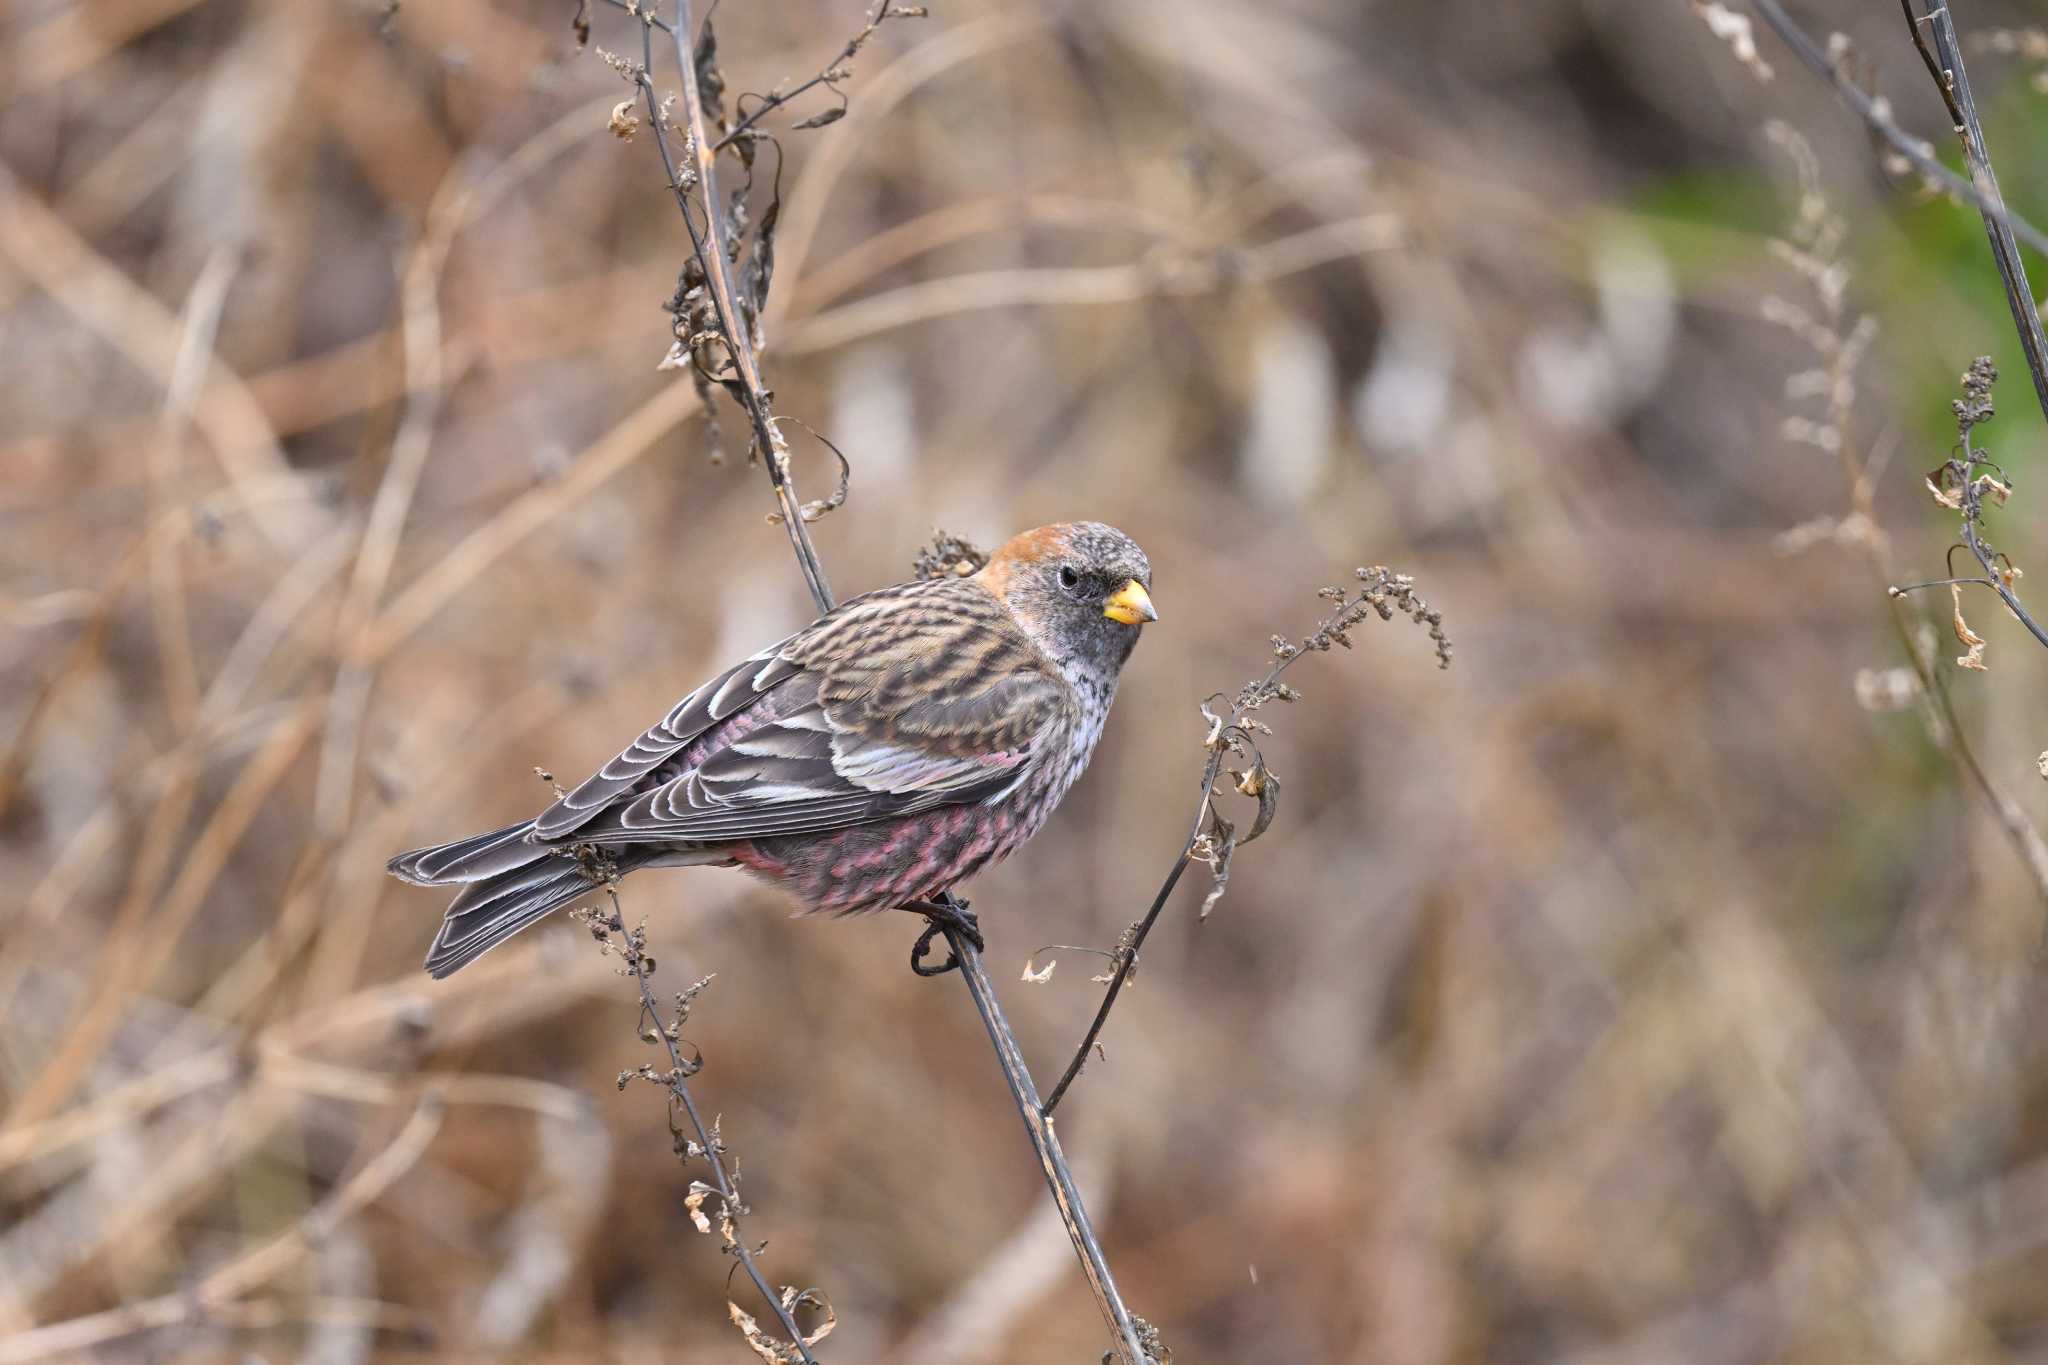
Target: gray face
(1071,589)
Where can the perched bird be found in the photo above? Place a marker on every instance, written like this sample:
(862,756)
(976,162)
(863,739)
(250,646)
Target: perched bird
(888,750)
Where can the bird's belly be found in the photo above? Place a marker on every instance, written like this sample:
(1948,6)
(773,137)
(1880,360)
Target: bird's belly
(880,866)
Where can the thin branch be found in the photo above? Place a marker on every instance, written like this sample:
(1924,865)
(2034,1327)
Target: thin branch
(1127,955)
(711,249)
(1998,579)
(769,104)
(1961,482)
(1944,81)
(1948,730)
(712,1149)
(1903,589)
(1196,272)
(1059,1177)
(1382,593)
(834,71)
(220,1290)
(45,249)
(710,244)
(1953,81)
(2019,830)
(1880,120)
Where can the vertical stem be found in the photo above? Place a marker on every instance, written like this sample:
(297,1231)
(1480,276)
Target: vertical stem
(2005,250)
(650,1011)
(1046,1143)
(710,246)
(717,265)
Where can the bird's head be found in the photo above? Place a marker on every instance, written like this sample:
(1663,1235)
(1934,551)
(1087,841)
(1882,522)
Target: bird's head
(1080,589)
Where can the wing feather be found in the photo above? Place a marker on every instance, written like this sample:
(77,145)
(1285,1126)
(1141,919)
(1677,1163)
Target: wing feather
(903,700)
(717,700)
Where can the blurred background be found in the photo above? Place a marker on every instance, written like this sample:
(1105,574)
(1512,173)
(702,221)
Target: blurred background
(1654,985)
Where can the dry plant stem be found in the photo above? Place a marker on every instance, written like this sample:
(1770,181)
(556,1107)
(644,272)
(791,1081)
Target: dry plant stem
(1816,60)
(1127,960)
(1059,1178)
(1945,66)
(2026,840)
(2003,226)
(1954,84)
(172,1310)
(709,245)
(1945,63)
(1995,577)
(1127,953)
(1200,272)
(384,528)
(107,300)
(651,1015)
(224,1286)
(1382,593)
(201,326)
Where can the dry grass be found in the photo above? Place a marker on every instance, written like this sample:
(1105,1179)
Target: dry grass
(1629,992)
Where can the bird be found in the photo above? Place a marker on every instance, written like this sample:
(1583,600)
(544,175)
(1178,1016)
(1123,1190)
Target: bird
(892,748)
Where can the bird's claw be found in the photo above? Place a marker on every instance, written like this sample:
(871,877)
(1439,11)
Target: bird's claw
(948,914)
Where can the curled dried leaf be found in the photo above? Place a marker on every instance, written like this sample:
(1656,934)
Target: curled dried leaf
(1971,639)
(694,1202)
(1038,976)
(760,271)
(813,510)
(1259,781)
(1947,493)
(1216,849)
(813,1299)
(832,115)
(759,1342)
(710,81)
(623,123)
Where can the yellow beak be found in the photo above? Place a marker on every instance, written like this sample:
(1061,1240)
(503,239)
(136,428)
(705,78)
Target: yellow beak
(1130,604)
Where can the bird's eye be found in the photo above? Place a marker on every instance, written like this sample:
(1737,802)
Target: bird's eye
(1068,578)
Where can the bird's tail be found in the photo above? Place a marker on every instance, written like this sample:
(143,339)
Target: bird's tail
(492,910)
(469,860)
(509,883)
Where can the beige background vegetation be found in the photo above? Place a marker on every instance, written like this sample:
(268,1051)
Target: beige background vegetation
(1651,986)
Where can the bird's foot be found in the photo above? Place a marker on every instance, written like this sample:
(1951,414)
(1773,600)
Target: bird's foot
(947,914)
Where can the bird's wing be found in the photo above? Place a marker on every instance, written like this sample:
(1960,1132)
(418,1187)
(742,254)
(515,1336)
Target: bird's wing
(916,697)
(725,696)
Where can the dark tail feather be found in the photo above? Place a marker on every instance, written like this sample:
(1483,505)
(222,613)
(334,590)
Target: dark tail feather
(491,910)
(469,860)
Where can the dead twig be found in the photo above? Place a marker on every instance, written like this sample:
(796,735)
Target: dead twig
(1213,839)
(700,1142)
(1945,65)
(1878,115)
(738,372)
(1812,248)
(712,245)
(225,1286)
(1963,482)
(1125,1329)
